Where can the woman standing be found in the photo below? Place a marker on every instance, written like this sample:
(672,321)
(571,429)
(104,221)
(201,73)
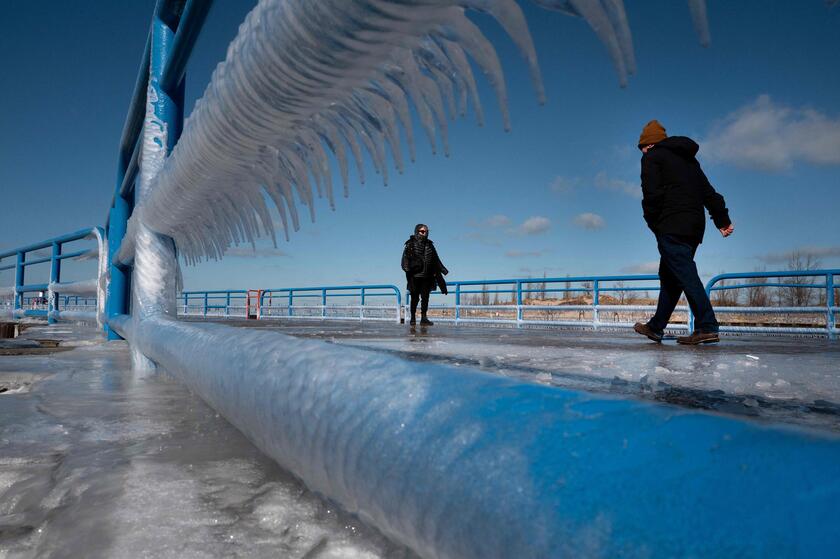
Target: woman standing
(423,271)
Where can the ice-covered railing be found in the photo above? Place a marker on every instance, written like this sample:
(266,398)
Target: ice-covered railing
(303,80)
(29,256)
(459,463)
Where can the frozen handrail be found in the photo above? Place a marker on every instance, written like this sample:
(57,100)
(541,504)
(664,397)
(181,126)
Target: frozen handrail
(454,462)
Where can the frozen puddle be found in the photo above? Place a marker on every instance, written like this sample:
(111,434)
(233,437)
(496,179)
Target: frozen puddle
(97,461)
(18,383)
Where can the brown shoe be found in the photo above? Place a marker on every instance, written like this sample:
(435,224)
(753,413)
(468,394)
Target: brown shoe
(699,338)
(645,330)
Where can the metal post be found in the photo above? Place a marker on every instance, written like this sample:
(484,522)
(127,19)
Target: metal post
(227,304)
(118,285)
(291,301)
(55,277)
(20,275)
(362,305)
(323,303)
(596,300)
(519,314)
(457,302)
(206,297)
(830,302)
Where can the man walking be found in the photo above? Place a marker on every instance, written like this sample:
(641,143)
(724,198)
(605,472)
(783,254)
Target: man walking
(674,192)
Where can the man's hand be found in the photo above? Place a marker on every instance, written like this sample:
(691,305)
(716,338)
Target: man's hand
(726,231)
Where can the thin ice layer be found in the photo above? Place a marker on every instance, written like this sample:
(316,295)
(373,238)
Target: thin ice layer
(457,463)
(304,80)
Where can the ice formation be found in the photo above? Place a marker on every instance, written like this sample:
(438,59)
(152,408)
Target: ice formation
(303,80)
(457,463)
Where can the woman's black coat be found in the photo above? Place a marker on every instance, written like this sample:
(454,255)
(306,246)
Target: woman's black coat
(412,264)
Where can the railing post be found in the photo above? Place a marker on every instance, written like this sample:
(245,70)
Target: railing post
(519,312)
(830,302)
(116,302)
(323,303)
(55,277)
(457,302)
(596,300)
(186,303)
(291,301)
(20,275)
(227,304)
(362,305)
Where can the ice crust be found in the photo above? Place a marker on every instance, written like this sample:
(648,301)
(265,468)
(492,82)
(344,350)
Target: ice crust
(305,81)
(457,463)
(97,460)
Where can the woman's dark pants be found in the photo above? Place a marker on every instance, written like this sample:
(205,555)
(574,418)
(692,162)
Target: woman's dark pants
(678,275)
(415,297)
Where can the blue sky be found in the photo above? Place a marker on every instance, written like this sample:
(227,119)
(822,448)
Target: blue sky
(559,194)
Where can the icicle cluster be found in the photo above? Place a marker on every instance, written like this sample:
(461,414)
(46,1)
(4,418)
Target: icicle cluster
(306,81)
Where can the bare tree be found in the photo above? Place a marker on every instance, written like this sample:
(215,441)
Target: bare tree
(799,293)
(725,297)
(542,287)
(621,295)
(758,295)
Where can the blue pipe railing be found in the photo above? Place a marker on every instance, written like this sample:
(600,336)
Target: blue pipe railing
(828,307)
(234,302)
(521,312)
(55,258)
(183,21)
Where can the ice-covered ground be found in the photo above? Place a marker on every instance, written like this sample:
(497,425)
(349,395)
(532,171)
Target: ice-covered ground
(776,378)
(98,461)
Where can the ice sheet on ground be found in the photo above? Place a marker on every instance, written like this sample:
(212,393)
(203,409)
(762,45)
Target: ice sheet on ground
(97,461)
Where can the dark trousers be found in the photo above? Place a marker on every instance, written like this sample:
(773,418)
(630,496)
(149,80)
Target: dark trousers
(424,306)
(678,275)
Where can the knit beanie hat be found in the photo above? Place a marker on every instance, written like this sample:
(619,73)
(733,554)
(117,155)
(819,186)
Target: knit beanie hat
(652,133)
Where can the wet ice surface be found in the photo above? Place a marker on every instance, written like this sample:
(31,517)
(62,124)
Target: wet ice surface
(97,461)
(786,379)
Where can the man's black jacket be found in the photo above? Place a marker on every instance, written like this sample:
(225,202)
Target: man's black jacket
(675,190)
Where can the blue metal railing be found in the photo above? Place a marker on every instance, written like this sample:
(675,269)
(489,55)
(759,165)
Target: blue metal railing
(580,301)
(179,22)
(312,302)
(22,261)
(791,292)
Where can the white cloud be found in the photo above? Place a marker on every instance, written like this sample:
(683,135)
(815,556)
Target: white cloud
(498,220)
(770,137)
(563,185)
(534,225)
(813,252)
(589,221)
(643,268)
(604,182)
(250,252)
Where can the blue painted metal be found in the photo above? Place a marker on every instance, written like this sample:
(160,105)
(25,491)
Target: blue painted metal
(55,277)
(323,293)
(55,258)
(828,285)
(19,277)
(118,286)
(521,289)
